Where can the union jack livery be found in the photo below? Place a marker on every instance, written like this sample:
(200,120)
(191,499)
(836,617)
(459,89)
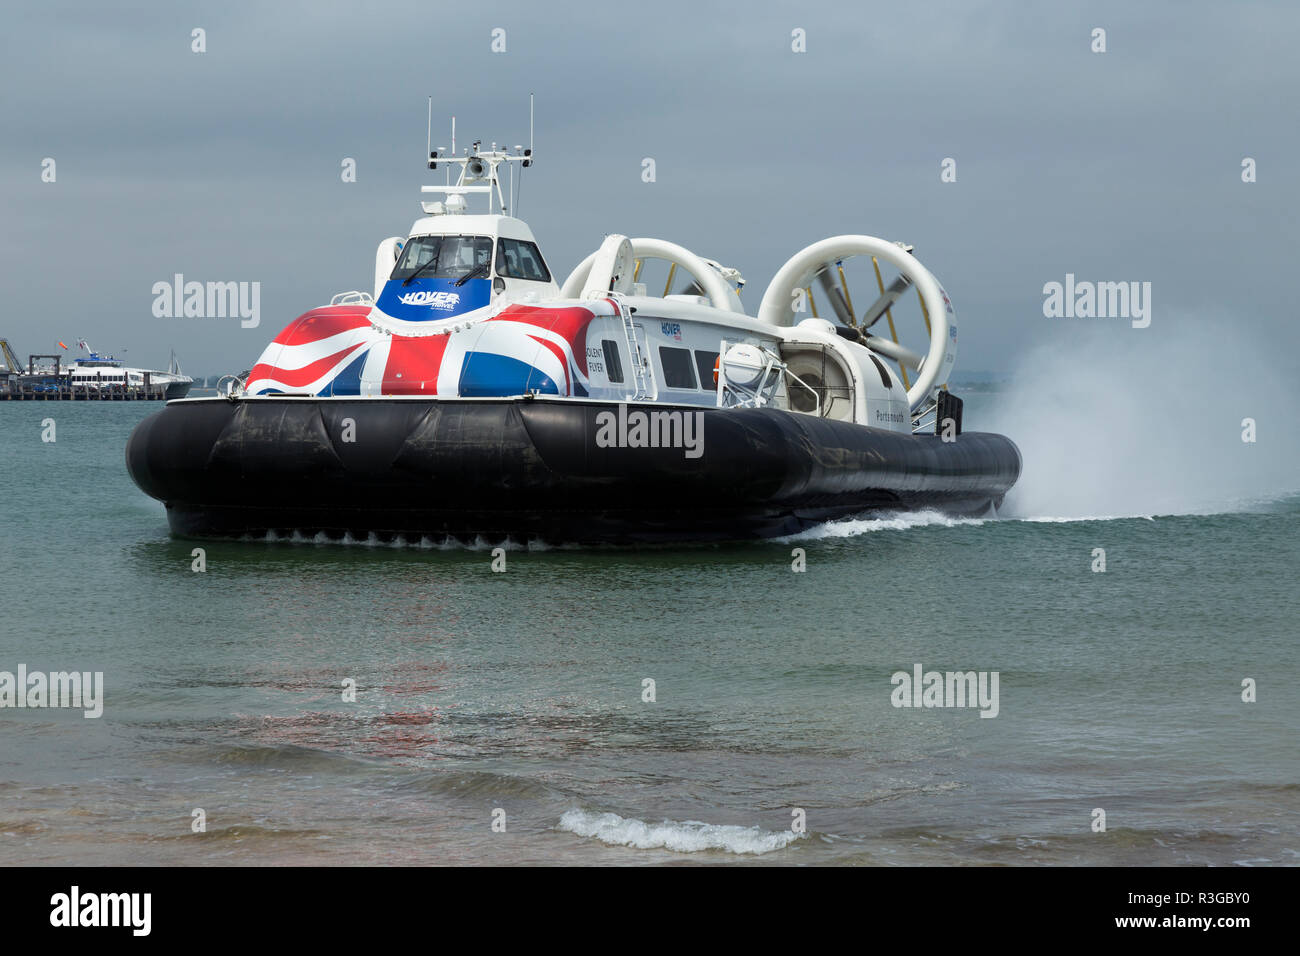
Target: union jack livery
(345,350)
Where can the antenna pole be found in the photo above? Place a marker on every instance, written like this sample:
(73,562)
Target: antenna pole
(520,187)
(428,136)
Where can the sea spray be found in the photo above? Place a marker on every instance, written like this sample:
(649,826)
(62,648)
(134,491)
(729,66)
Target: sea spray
(1149,425)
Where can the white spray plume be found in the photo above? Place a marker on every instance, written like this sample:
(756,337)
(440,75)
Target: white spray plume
(1149,422)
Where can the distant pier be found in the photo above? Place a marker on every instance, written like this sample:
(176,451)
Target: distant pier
(44,388)
(100,378)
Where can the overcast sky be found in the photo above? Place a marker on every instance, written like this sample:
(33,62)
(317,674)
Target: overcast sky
(225,165)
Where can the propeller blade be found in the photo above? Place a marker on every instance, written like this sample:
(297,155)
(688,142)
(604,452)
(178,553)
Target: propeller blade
(836,297)
(886,300)
(899,353)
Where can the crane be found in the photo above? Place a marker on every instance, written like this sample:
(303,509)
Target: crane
(11,360)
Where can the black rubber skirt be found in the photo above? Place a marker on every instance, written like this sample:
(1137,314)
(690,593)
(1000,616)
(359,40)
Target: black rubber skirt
(539,469)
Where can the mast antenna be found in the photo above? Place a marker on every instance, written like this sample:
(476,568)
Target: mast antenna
(526,162)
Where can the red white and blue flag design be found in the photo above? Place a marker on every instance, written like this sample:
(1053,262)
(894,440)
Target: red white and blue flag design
(339,350)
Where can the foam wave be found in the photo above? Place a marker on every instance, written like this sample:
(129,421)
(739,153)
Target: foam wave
(888,521)
(905,521)
(691,836)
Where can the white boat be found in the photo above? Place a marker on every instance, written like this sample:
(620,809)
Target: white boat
(102,373)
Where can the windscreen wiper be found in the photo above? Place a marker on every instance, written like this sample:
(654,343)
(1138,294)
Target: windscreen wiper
(481,267)
(413,275)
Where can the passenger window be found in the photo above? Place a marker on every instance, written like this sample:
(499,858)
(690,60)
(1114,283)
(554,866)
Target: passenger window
(613,361)
(704,364)
(679,371)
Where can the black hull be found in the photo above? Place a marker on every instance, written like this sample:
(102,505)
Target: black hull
(498,468)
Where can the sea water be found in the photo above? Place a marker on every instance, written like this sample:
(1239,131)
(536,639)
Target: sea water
(308,702)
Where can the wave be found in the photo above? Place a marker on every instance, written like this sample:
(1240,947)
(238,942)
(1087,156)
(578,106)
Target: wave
(908,520)
(690,836)
(884,521)
(1278,503)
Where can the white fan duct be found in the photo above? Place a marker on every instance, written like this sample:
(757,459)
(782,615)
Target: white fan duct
(591,274)
(611,269)
(777,307)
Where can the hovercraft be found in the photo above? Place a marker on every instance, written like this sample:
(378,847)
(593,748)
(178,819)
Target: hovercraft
(472,396)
